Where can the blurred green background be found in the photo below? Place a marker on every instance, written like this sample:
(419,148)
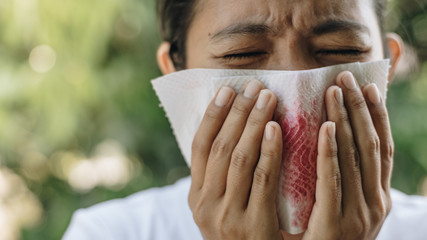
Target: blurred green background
(80,123)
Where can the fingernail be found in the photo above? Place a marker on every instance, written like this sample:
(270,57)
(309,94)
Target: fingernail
(347,79)
(252,89)
(269,131)
(331,130)
(223,96)
(338,96)
(263,99)
(373,93)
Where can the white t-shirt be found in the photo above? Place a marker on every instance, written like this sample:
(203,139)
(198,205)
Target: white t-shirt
(163,213)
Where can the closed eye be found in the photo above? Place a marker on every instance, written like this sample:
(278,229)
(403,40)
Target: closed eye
(341,52)
(240,56)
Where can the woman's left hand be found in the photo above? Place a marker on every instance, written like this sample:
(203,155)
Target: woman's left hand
(355,158)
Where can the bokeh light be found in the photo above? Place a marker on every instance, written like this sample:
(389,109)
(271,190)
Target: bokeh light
(42,58)
(19,208)
(109,168)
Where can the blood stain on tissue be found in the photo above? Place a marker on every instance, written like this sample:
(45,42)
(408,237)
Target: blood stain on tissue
(298,173)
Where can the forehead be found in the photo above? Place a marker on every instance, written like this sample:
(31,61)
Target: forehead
(299,15)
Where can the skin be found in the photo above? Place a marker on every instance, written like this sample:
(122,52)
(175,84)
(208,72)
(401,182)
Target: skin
(236,153)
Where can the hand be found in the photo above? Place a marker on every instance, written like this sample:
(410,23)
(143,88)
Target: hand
(236,157)
(355,156)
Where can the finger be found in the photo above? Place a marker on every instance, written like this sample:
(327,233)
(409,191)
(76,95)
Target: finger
(366,137)
(246,153)
(381,121)
(327,208)
(227,139)
(209,127)
(328,184)
(348,158)
(262,198)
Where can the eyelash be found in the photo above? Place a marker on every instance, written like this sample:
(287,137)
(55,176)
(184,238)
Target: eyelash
(344,52)
(245,55)
(239,56)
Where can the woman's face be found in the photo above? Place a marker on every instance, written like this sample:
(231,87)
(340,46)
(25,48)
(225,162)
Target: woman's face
(282,34)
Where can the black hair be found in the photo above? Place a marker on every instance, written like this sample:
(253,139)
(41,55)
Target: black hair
(175,17)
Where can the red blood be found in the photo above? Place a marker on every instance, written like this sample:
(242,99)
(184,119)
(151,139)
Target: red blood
(298,173)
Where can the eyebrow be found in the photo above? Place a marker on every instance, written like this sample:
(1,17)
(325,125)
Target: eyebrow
(242,29)
(330,26)
(334,26)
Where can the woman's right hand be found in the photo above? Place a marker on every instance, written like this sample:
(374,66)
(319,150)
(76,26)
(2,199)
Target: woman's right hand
(236,157)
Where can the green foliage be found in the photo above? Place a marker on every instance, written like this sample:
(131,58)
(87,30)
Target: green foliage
(407,99)
(75,99)
(97,92)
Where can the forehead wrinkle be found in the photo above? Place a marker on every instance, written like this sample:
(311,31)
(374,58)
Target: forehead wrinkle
(312,13)
(264,18)
(241,29)
(274,18)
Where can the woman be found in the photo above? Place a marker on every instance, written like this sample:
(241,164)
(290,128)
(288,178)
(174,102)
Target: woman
(232,193)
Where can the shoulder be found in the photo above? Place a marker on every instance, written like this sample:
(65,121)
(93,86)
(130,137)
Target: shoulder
(143,215)
(406,217)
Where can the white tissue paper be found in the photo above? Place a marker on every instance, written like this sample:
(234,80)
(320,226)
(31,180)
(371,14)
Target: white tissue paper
(186,94)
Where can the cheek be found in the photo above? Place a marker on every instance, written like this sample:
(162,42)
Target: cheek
(198,57)
(197,52)
(370,17)
(378,49)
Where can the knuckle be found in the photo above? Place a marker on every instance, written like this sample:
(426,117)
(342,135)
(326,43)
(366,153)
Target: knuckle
(388,150)
(201,214)
(358,229)
(373,143)
(379,214)
(212,114)
(240,108)
(360,224)
(357,103)
(352,155)
(224,225)
(343,115)
(379,211)
(255,122)
(227,230)
(381,115)
(262,177)
(239,159)
(335,181)
(200,219)
(356,159)
(334,184)
(387,203)
(220,146)
(269,154)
